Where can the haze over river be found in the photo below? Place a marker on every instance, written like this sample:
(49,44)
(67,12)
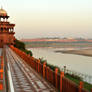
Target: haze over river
(79,63)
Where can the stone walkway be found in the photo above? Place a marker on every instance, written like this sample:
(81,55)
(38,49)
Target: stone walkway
(0,51)
(25,79)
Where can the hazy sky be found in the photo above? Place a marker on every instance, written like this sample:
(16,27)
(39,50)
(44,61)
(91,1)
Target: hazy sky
(50,18)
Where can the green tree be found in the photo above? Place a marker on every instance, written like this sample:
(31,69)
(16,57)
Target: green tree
(20,45)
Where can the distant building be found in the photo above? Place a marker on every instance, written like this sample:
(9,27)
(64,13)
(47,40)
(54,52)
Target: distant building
(6,29)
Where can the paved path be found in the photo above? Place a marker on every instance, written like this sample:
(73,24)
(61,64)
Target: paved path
(0,51)
(25,79)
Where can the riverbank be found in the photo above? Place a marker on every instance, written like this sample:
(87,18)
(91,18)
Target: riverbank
(84,52)
(58,44)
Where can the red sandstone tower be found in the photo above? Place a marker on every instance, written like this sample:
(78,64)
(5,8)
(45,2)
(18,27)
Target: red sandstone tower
(6,30)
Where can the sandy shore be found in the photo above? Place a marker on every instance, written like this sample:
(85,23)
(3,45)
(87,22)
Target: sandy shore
(86,52)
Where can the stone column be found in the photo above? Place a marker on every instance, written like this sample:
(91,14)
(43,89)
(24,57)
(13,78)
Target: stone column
(56,78)
(61,81)
(44,66)
(80,86)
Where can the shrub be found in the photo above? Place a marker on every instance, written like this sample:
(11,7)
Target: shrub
(20,45)
(53,67)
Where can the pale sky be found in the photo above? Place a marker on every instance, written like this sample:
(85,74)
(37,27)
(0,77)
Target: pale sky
(50,18)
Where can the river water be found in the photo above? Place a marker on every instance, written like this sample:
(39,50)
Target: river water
(78,63)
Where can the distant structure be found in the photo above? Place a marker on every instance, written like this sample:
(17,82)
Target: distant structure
(6,29)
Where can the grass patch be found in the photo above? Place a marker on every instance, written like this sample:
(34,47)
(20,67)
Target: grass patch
(77,80)
(53,67)
(27,51)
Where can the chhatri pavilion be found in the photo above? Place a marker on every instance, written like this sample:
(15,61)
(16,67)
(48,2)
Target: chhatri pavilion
(6,29)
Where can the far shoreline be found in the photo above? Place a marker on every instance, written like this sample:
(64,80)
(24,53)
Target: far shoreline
(83,52)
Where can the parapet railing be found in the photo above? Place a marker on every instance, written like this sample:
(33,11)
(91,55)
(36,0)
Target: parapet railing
(2,75)
(85,77)
(61,83)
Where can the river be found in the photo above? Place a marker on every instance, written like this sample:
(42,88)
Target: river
(79,63)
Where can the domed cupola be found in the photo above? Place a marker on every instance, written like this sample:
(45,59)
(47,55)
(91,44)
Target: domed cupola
(3,12)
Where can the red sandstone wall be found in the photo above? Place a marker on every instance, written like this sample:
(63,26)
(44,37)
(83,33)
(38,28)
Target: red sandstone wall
(6,38)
